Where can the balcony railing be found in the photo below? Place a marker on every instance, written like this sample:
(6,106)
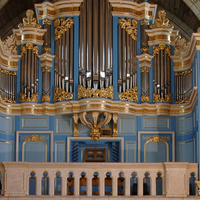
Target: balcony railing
(168,179)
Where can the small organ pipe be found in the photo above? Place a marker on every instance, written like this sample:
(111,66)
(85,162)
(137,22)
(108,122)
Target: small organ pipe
(71,60)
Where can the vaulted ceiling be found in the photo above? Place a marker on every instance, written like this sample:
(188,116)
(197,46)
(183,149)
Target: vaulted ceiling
(182,13)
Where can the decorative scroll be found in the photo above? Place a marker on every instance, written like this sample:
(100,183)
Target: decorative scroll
(45,98)
(34,138)
(29,20)
(61,94)
(162,46)
(185,100)
(3,71)
(47,50)
(181,46)
(161,21)
(29,46)
(156,138)
(115,119)
(158,98)
(144,98)
(95,134)
(47,21)
(10,45)
(144,22)
(145,69)
(144,50)
(129,95)
(62,25)
(184,73)
(75,117)
(103,92)
(130,25)
(23,97)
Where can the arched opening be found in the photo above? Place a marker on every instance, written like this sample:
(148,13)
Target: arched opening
(192,186)
(57,184)
(159,184)
(83,184)
(121,184)
(146,184)
(45,184)
(32,184)
(108,184)
(133,184)
(70,184)
(95,184)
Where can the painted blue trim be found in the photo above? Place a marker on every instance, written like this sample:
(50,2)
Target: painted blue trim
(172,77)
(115,57)
(53,62)
(76,56)
(151,76)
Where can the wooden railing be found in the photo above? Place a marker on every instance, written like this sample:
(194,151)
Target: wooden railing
(174,178)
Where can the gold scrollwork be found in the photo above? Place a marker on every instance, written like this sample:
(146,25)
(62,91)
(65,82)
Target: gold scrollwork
(158,98)
(145,98)
(8,100)
(3,71)
(30,46)
(144,22)
(145,69)
(90,92)
(29,20)
(34,138)
(129,95)
(144,50)
(162,46)
(181,45)
(47,50)
(45,98)
(184,73)
(61,94)
(130,25)
(185,100)
(46,69)
(23,97)
(161,21)
(10,45)
(47,21)
(62,25)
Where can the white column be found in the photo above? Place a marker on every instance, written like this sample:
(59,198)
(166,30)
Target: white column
(102,183)
(114,176)
(64,185)
(38,175)
(140,177)
(51,176)
(76,183)
(153,176)
(127,183)
(89,183)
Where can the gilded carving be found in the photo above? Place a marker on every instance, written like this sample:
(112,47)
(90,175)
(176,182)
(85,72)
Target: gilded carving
(3,71)
(145,69)
(91,92)
(34,138)
(47,21)
(144,22)
(145,98)
(29,20)
(185,100)
(115,119)
(62,25)
(95,126)
(30,46)
(61,94)
(161,21)
(198,186)
(184,73)
(46,69)
(130,25)
(162,46)
(23,97)
(47,50)
(10,45)
(144,50)
(129,95)
(75,117)
(181,45)
(45,98)
(8,100)
(158,98)
(156,138)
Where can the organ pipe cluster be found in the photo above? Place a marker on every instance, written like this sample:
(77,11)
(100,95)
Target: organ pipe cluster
(145,84)
(95,70)
(29,73)
(64,58)
(161,73)
(127,54)
(183,86)
(144,37)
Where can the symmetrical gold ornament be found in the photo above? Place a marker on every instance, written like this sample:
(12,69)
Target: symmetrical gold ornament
(158,98)
(10,45)
(144,22)
(184,73)
(47,21)
(45,98)
(61,94)
(162,46)
(62,25)
(8,100)
(145,69)
(29,20)
(161,21)
(47,50)
(75,117)
(185,100)
(3,71)
(23,97)
(156,138)
(115,119)
(130,25)
(95,134)
(145,98)
(181,46)
(30,46)
(46,69)
(129,95)
(34,138)
(91,92)
(144,50)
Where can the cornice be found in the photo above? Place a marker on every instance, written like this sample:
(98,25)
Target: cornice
(99,104)
(145,60)
(58,9)
(134,10)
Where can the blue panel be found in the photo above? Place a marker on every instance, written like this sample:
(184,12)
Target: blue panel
(185,151)
(34,122)
(130,152)
(63,125)
(34,151)
(185,124)
(127,125)
(156,152)
(60,152)
(6,151)
(6,124)
(156,123)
